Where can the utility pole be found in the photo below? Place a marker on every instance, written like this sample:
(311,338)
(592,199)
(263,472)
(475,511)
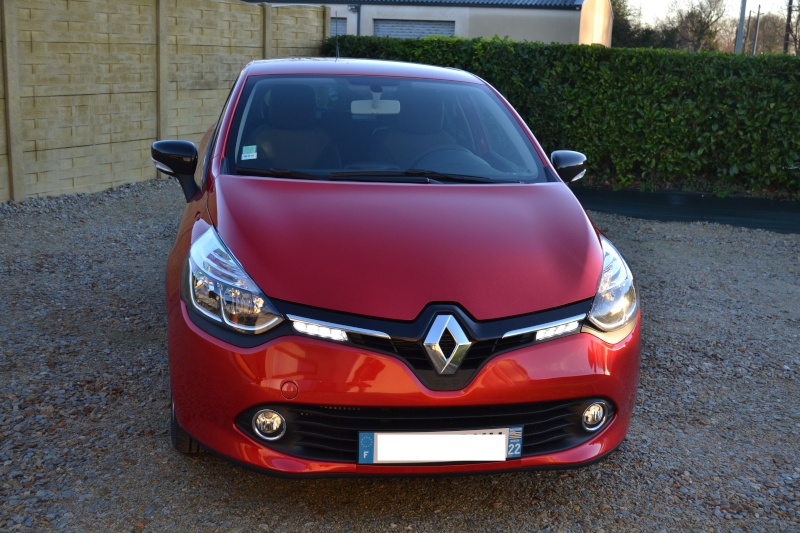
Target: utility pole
(788,29)
(758,22)
(747,33)
(740,33)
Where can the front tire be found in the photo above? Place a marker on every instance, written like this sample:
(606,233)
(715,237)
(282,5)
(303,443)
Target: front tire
(182,441)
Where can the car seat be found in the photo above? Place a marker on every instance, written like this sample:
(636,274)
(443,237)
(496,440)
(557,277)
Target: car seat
(292,138)
(418,130)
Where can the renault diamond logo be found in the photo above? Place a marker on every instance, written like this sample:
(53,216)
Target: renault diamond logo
(446,344)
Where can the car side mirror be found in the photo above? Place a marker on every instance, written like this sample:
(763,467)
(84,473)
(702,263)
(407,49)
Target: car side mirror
(571,166)
(179,160)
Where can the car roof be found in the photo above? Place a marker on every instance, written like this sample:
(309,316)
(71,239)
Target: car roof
(356,67)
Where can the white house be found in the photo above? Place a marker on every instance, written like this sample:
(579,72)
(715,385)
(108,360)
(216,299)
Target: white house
(559,21)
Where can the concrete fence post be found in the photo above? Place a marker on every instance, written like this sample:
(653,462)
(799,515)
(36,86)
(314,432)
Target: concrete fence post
(162,55)
(326,22)
(11,89)
(267,37)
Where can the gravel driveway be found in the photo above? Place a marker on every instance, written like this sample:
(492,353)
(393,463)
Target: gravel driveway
(714,445)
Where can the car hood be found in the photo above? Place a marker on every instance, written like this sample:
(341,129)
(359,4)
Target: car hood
(387,250)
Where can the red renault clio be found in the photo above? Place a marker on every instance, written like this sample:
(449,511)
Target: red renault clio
(379,272)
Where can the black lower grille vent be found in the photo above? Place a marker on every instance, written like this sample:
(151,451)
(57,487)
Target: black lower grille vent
(330,433)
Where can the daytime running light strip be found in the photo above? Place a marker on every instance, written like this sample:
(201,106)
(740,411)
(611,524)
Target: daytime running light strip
(540,327)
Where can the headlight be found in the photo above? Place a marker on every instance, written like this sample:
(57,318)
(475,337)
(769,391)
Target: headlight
(220,289)
(615,303)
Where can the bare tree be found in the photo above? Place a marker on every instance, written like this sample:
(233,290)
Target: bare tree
(701,25)
(726,37)
(629,32)
(698,23)
(771,30)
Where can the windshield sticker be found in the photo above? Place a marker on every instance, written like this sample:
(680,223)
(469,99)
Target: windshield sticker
(249,152)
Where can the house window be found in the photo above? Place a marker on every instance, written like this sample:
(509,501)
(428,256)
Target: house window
(338,26)
(409,29)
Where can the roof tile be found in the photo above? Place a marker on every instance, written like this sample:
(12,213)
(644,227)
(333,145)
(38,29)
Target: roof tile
(536,4)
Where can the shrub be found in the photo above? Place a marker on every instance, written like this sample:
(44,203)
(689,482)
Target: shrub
(646,119)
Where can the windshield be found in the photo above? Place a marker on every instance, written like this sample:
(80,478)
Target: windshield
(374,128)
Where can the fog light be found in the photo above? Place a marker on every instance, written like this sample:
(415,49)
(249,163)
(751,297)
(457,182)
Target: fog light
(594,417)
(269,425)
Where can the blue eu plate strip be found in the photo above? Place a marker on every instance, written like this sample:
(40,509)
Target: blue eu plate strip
(366,448)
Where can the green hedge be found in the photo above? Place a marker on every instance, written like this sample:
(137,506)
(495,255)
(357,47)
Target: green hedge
(646,119)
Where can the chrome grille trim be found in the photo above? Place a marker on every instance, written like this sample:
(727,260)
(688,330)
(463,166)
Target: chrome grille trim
(348,329)
(539,327)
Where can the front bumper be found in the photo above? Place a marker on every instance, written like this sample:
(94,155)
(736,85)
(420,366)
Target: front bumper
(213,383)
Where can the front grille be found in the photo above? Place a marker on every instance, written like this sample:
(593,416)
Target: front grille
(330,433)
(406,339)
(413,352)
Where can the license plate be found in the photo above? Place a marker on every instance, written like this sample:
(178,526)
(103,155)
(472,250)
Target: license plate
(440,447)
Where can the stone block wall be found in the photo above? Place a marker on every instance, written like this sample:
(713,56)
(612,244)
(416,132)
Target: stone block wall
(88,85)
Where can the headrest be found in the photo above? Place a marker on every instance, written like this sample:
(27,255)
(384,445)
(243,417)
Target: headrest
(421,112)
(292,107)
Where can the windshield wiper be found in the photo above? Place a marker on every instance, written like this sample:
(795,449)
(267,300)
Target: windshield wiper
(278,173)
(384,176)
(426,176)
(413,175)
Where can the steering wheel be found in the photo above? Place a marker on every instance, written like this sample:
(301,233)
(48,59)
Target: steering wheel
(440,150)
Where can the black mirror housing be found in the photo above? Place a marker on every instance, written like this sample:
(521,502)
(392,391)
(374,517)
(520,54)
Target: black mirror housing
(571,166)
(179,160)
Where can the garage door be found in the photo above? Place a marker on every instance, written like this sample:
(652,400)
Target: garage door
(409,29)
